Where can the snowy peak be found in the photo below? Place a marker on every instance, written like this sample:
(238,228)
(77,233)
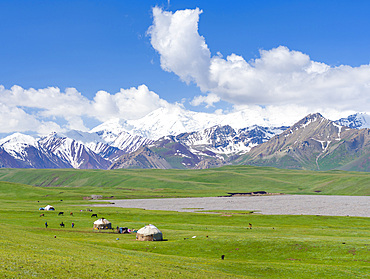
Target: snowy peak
(27,152)
(314,143)
(17,143)
(314,127)
(175,120)
(168,121)
(226,140)
(109,130)
(311,118)
(73,152)
(355,121)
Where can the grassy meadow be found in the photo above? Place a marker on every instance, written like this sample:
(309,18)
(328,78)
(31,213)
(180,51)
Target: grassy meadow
(155,183)
(276,246)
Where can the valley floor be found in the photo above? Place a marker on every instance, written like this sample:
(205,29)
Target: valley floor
(269,205)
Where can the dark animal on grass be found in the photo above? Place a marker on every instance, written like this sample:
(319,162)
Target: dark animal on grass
(222,257)
(41,215)
(94,215)
(61,225)
(60,213)
(71,213)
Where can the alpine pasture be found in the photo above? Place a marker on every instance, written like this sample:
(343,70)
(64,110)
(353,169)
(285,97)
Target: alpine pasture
(198,245)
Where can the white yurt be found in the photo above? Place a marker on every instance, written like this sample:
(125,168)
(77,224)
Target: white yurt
(102,224)
(149,233)
(49,207)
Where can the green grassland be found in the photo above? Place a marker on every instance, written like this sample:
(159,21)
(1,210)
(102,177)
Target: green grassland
(276,246)
(189,183)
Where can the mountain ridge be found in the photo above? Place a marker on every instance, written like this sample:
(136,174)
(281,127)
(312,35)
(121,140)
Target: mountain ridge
(108,146)
(314,143)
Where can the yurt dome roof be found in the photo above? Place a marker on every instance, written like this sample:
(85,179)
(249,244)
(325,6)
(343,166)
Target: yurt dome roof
(149,230)
(101,221)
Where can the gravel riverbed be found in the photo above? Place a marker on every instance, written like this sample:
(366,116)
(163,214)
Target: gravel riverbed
(269,205)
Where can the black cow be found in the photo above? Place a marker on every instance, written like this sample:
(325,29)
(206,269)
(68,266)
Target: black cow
(60,213)
(94,215)
(61,225)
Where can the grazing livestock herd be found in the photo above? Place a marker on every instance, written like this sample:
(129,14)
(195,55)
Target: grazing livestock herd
(61,213)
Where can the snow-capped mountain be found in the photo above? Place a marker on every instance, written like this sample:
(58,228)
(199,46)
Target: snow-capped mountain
(156,124)
(78,155)
(26,153)
(210,147)
(226,140)
(358,121)
(74,149)
(17,143)
(174,121)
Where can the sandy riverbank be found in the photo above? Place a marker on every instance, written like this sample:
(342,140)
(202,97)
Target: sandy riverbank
(269,205)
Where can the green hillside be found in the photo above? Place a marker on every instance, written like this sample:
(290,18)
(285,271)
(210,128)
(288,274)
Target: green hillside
(190,183)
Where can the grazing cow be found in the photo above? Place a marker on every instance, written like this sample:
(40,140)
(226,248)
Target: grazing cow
(41,215)
(60,213)
(61,225)
(94,215)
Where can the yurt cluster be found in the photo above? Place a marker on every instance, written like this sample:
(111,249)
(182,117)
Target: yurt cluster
(146,233)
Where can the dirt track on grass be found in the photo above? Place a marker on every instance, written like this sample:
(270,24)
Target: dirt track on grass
(269,205)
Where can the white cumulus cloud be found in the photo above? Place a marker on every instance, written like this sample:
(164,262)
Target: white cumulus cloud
(183,51)
(50,109)
(209,100)
(279,77)
(16,119)
(132,103)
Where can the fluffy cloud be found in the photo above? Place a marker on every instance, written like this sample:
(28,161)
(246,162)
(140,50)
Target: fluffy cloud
(209,100)
(49,109)
(278,77)
(16,119)
(130,103)
(281,115)
(183,51)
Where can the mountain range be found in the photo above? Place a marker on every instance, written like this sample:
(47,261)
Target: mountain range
(189,140)
(314,143)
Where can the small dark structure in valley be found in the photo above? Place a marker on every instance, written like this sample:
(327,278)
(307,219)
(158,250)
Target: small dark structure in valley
(257,193)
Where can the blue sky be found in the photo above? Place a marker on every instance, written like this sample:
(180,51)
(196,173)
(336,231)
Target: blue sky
(105,45)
